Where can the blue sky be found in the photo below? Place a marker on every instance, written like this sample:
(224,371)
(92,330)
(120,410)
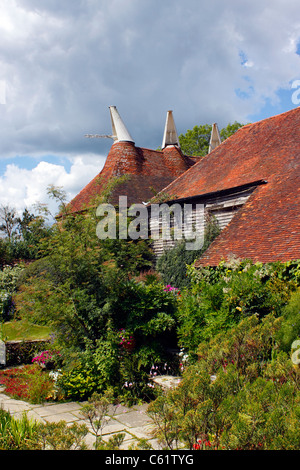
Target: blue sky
(63,63)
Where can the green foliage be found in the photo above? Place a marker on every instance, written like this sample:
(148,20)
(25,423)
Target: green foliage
(243,393)
(220,297)
(22,235)
(230,129)
(17,434)
(93,371)
(147,311)
(27,434)
(290,330)
(196,141)
(77,277)
(62,436)
(85,290)
(130,256)
(172,264)
(78,383)
(134,372)
(8,284)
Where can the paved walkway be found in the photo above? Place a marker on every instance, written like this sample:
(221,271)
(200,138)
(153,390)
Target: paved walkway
(133,421)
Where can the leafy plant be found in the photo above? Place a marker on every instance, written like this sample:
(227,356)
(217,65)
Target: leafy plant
(290,330)
(147,312)
(196,141)
(8,284)
(62,436)
(220,297)
(243,393)
(172,264)
(17,434)
(96,411)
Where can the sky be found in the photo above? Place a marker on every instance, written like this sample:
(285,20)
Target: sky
(64,62)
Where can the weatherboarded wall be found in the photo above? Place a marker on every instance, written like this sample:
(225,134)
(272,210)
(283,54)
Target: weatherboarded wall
(222,206)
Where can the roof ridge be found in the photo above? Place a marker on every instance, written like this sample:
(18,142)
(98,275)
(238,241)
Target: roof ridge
(275,116)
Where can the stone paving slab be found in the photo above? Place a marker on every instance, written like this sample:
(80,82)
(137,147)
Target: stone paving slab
(67,417)
(132,421)
(113,428)
(54,409)
(143,432)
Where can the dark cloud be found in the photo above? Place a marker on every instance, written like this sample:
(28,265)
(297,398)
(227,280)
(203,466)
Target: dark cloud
(73,59)
(65,62)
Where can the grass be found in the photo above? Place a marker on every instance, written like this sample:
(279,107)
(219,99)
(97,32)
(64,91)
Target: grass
(23,330)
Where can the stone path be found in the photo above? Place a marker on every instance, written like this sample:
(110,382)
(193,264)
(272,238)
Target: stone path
(133,421)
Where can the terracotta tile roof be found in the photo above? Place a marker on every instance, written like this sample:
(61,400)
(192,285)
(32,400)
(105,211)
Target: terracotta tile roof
(148,172)
(267,227)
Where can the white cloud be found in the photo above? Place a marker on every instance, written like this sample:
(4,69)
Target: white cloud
(20,188)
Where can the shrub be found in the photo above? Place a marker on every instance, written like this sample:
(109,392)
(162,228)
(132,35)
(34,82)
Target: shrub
(290,330)
(62,436)
(96,370)
(111,365)
(8,283)
(146,311)
(78,383)
(220,297)
(17,434)
(26,434)
(243,393)
(172,265)
(135,384)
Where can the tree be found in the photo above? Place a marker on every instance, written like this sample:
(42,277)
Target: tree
(9,221)
(24,223)
(77,275)
(32,230)
(108,326)
(230,129)
(196,141)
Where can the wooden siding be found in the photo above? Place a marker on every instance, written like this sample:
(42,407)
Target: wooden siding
(222,206)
